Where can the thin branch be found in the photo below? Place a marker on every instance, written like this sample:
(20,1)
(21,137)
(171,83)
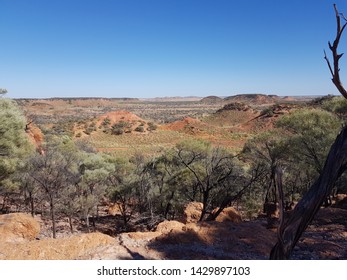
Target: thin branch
(336,57)
(343,16)
(328,62)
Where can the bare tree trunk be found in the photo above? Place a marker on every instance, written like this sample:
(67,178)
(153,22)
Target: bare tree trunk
(94,223)
(169,205)
(227,201)
(4,206)
(32,204)
(70,223)
(53,217)
(86,217)
(309,205)
(205,196)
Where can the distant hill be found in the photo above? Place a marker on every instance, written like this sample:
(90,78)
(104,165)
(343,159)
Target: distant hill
(211,99)
(256,98)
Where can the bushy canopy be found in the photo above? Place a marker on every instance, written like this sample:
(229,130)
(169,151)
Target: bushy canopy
(14,143)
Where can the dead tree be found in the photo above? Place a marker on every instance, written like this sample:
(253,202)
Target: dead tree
(335,71)
(291,229)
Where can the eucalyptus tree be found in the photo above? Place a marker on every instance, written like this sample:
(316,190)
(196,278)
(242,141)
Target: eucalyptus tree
(291,229)
(95,170)
(14,143)
(169,186)
(298,145)
(213,172)
(53,171)
(310,133)
(266,151)
(122,182)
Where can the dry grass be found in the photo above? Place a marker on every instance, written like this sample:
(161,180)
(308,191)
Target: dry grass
(128,144)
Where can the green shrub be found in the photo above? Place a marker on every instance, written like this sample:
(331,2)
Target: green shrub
(268,112)
(117,130)
(89,130)
(106,122)
(123,124)
(140,129)
(152,126)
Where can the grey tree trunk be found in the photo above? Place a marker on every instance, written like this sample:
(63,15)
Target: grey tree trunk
(309,205)
(52,209)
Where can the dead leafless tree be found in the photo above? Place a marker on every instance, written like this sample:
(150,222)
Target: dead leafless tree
(291,229)
(335,71)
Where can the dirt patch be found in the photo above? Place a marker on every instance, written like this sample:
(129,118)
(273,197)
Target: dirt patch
(35,135)
(118,116)
(325,238)
(187,125)
(74,247)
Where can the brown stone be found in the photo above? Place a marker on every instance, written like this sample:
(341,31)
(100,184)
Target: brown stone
(113,210)
(340,201)
(18,227)
(169,226)
(192,212)
(229,214)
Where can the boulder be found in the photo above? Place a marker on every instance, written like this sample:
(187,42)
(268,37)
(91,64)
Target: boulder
(192,212)
(169,226)
(113,209)
(18,227)
(340,201)
(229,214)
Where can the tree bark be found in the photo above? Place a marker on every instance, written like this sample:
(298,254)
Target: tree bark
(70,223)
(227,201)
(32,205)
(52,209)
(309,205)
(205,196)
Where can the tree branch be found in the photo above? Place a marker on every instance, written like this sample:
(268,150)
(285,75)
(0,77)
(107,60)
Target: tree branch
(335,71)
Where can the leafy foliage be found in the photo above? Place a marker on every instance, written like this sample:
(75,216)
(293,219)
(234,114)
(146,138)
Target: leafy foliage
(299,145)
(213,173)
(337,105)
(14,143)
(311,133)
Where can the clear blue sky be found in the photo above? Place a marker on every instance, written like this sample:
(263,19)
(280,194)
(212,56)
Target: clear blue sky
(148,48)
